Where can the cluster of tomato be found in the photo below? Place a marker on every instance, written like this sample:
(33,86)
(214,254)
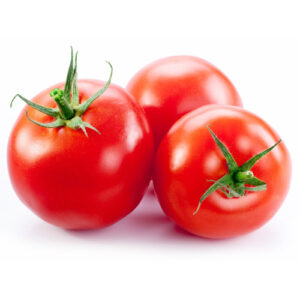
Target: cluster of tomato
(82,154)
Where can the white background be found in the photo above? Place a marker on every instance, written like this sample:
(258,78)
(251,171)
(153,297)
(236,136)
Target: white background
(144,256)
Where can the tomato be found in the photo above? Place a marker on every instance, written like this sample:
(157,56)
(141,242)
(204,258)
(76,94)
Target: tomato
(173,86)
(190,166)
(76,181)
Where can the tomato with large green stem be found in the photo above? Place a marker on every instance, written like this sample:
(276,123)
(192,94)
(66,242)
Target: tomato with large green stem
(221,171)
(173,86)
(70,153)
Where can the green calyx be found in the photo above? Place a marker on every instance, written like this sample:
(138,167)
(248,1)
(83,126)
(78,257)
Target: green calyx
(238,180)
(69,111)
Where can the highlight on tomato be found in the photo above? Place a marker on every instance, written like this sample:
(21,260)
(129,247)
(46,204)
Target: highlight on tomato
(80,154)
(173,86)
(221,172)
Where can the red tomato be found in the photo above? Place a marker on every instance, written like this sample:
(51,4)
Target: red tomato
(173,86)
(188,157)
(80,182)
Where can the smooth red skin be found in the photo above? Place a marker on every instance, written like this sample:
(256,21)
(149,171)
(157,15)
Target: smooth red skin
(173,86)
(76,182)
(188,157)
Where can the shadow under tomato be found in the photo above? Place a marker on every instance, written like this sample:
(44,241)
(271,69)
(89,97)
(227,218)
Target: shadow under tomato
(147,224)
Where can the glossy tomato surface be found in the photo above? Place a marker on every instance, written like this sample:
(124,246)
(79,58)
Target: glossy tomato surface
(188,157)
(173,86)
(76,182)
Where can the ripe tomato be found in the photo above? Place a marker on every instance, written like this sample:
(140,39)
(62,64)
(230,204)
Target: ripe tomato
(173,86)
(80,182)
(190,165)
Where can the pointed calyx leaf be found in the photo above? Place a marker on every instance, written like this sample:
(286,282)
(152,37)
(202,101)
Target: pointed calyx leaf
(232,165)
(210,190)
(54,124)
(69,80)
(77,123)
(75,97)
(84,106)
(250,163)
(238,180)
(46,110)
(69,111)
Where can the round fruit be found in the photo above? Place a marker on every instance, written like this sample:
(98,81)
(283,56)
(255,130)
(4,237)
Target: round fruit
(221,171)
(85,163)
(173,86)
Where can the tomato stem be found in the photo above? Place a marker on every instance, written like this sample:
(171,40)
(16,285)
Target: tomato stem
(68,112)
(65,109)
(239,179)
(241,176)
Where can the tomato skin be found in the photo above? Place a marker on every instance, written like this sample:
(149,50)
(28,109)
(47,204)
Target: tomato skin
(173,86)
(76,182)
(188,157)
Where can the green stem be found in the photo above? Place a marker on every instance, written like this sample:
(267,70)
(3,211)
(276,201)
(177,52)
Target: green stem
(65,109)
(69,110)
(242,176)
(236,182)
